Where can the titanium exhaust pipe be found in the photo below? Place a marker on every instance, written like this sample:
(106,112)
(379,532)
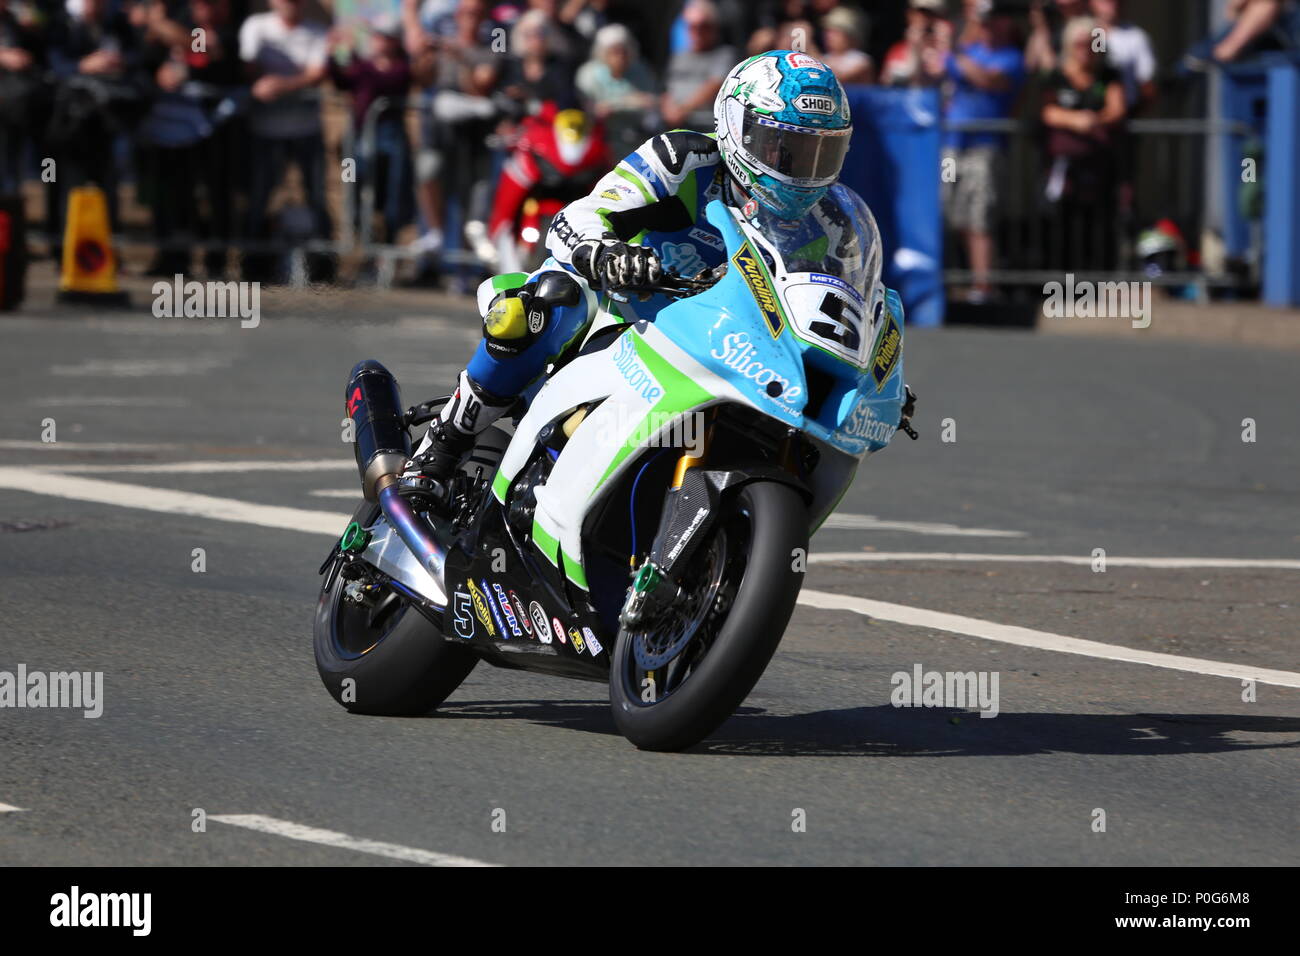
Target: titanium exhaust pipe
(382,448)
(416,533)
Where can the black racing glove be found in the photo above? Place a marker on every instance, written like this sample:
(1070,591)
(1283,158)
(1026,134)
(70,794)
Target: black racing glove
(617,265)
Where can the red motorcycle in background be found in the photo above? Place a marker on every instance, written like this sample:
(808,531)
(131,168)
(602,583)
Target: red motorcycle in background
(557,157)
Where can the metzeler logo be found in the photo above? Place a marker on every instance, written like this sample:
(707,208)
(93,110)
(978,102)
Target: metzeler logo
(496,615)
(75,909)
(747,262)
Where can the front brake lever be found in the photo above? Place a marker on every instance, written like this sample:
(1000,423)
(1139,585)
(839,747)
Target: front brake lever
(905,416)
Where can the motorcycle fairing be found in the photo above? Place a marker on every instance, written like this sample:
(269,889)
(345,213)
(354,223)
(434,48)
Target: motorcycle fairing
(514,611)
(644,384)
(722,345)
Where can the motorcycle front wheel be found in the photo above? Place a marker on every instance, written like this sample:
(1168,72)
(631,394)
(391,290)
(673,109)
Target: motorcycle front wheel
(675,682)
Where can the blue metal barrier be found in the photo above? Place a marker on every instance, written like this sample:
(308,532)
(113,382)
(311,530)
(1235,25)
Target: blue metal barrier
(1264,93)
(893,164)
(1282,187)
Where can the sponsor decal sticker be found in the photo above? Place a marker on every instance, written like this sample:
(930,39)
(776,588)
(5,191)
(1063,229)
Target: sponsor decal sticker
(462,611)
(593,645)
(578,644)
(812,103)
(863,423)
(737,352)
(507,609)
(634,373)
(800,61)
(672,153)
(539,621)
(682,257)
(755,276)
(518,605)
(822,279)
(558,628)
(496,615)
(888,348)
(481,607)
(707,238)
(687,534)
(563,230)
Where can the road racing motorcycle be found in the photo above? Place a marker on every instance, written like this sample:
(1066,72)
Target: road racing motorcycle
(642,516)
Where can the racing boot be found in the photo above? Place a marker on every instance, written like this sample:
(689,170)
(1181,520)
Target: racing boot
(435,460)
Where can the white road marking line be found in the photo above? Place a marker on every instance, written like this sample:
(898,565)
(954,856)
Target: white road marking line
(297,831)
(108,401)
(6,808)
(210,467)
(323,522)
(838,557)
(851,522)
(83,446)
(171,502)
(85,324)
(1042,640)
(335,493)
(139,368)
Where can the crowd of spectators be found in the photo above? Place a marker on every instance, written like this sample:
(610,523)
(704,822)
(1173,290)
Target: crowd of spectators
(205,104)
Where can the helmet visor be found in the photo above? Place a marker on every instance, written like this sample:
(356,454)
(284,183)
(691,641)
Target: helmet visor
(796,154)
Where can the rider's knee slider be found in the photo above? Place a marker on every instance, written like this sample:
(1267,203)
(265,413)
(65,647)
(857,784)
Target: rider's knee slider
(506,325)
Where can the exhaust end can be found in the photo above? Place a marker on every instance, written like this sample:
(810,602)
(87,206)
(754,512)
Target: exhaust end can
(382,446)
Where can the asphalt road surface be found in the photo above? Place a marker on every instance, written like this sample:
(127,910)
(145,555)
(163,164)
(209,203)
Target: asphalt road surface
(1127,690)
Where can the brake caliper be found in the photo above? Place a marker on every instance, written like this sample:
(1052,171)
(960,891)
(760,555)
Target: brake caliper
(652,592)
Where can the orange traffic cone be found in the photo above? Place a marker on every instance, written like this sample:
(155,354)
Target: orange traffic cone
(89,272)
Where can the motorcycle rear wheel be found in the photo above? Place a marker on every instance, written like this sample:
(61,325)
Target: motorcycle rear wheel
(396,660)
(742,584)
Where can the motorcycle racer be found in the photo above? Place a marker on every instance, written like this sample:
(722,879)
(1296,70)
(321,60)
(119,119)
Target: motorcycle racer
(782,130)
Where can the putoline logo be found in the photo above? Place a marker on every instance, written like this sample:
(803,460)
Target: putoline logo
(481,607)
(756,278)
(888,348)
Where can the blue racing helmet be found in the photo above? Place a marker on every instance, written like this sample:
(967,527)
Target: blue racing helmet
(783,129)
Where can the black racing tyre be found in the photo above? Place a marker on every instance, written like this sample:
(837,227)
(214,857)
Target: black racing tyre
(704,659)
(397,660)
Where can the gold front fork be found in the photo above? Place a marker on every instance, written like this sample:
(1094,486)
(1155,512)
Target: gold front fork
(688,461)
